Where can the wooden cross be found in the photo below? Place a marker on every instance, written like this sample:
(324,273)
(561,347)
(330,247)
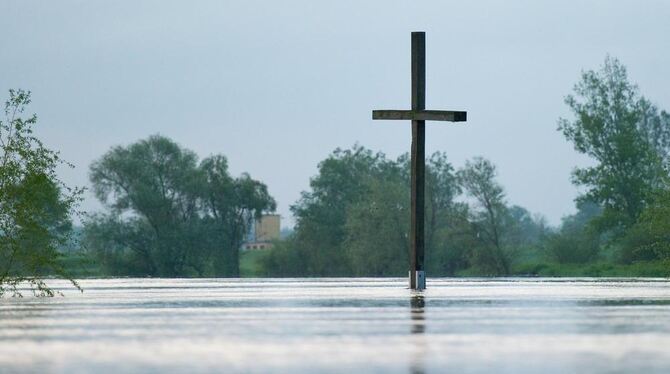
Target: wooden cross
(418,115)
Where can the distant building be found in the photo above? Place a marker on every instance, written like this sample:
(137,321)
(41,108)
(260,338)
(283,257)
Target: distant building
(264,231)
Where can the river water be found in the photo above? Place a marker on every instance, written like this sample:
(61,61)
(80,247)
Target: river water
(341,325)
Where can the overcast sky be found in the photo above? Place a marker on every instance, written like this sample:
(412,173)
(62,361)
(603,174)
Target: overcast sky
(277,85)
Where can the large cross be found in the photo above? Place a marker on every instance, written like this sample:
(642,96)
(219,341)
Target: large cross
(418,115)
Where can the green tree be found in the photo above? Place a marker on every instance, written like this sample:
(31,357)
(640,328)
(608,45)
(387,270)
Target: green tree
(488,216)
(156,180)
(321,214)
(452,243)
(376,241)
(649,238)
(378,226)
(122,247)
(626,136)
(524,228)
(231,205)
(286,259)
(577,241)
(442,187)
(355,219)
(35,206)
(170,215)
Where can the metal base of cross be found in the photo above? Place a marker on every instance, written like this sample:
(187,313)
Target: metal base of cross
(420,280)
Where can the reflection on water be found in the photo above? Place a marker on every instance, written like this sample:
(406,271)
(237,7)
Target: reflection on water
(417,305)
(341,325)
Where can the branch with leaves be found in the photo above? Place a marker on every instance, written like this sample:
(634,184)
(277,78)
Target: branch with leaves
(35,206)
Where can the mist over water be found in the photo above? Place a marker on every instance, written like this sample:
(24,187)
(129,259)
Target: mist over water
(341,325)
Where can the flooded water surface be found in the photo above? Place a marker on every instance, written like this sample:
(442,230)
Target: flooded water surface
(341,325)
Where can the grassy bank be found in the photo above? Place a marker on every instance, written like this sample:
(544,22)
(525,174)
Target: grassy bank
(250,266)
(602,269)
(81,266)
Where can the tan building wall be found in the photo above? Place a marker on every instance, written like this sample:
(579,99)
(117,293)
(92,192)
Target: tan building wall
(267,228)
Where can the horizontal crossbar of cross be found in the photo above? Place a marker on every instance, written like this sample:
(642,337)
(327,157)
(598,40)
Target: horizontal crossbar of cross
(421,115)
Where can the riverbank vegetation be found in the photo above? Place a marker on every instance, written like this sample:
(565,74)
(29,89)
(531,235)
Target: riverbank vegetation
(354,219)
(169,214)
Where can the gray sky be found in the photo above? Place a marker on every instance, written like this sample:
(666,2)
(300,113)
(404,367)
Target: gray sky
(277,85)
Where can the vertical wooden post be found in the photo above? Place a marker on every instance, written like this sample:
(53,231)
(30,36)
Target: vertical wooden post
(417,279)
(419,115)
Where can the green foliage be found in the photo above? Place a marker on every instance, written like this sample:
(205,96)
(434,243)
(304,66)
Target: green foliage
(321,214)
(355,220)
(649,239)
(578,241)
(376,228)
(80,265)
(629,138)
(523,228)
(169,215)
(155,180)
(487,217)
(288,258)
(626,136)
(250,263)
(451,245)
(35,206)
(121,247)
(230,205)
(573,248)
(593,269)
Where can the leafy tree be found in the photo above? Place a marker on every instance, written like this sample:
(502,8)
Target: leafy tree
(321,214)
(448,233)
(122,246)
(355,220)
(488,216)
(155,180)
(231,205)
(577,241)
(649,238)
(286,259)
(523,227)
(451,243)
(170,215)
(442,187)
(35,206)
(376,227)
(625,135)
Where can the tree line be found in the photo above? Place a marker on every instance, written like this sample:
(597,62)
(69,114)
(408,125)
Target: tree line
(354,221)
(168,213)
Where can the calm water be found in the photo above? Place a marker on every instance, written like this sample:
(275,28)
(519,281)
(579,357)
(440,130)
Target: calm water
(341,325)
